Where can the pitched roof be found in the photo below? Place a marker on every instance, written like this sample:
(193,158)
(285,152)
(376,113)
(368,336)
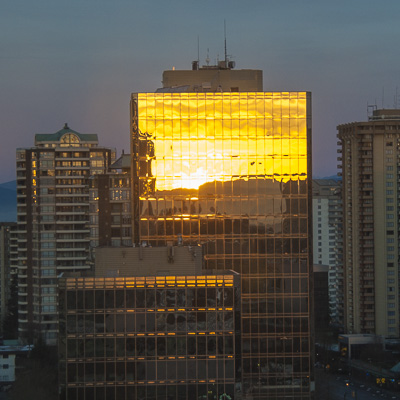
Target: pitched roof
(55,137)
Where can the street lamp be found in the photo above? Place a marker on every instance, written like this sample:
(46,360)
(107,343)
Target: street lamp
(353,393)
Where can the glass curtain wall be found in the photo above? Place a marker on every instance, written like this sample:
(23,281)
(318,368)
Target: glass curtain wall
(231,171)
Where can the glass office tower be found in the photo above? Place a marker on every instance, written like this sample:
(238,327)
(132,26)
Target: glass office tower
(231,171)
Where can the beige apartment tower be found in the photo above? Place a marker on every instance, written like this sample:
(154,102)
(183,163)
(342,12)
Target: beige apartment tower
(370,154)
(53,219)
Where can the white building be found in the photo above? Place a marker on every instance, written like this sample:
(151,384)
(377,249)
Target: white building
(7,368)
(328,242)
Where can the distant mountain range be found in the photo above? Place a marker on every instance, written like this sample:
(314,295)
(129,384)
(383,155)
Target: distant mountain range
(8,201)
(334,177)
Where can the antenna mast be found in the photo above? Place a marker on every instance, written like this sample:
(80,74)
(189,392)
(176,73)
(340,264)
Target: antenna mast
(226,57)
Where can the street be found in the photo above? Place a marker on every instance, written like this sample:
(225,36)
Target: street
(334,387)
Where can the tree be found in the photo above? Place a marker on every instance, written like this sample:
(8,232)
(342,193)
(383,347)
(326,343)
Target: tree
(10,322)
(38,379)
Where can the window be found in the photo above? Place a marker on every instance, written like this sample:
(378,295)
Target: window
(389,184)
(389,176)
(389,192)
(389,208)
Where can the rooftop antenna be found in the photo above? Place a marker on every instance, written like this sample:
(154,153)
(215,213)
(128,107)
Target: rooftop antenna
(198,49)
(208,57)
(226,56)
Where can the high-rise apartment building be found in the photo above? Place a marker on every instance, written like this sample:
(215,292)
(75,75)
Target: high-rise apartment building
(53,217)
(110,206)
(328,241)
(8,259)
(371,192)
(231,171)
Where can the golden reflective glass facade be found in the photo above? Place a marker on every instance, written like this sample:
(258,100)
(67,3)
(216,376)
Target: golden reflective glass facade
(230,171)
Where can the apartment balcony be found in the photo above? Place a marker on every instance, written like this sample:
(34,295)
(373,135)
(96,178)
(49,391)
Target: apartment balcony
(73,231)
(73,267)
(366,286)
(80,240)
(367,320)
(71,258)
(72,212)
(71,249)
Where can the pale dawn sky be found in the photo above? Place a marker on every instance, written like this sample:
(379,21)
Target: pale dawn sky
(78,61)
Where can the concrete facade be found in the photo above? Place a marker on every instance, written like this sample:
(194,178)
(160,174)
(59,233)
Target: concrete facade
(156,261)
(370,153)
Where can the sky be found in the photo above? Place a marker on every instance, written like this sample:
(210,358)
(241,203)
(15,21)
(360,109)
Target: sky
(78,61)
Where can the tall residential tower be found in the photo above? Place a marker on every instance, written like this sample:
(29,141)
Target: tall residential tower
(371,175)
(53,217)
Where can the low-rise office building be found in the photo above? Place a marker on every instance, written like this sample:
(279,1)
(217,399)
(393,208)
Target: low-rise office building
(164,337)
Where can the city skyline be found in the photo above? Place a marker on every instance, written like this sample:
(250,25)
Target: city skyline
(78,64)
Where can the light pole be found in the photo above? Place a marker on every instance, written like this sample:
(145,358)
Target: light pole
(353,393)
